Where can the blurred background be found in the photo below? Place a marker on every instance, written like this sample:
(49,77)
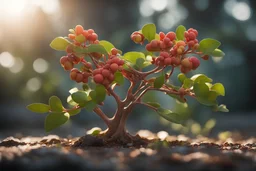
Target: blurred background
(30,69)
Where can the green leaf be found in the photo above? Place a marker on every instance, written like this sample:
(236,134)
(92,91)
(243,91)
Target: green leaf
(97,48)
(100,93)
(171,116)
(86,87)
(221,108)
(154,104)
(107,45)
(80,97)
(201,89)
(72,31)
(94,131)
(139,62)
(91,48)
(73,90)
(119,78)
(90,105)
(219,89)
(55,104)
(217,53)
(181,77)
(157,37)
(54,120)
(80,38)
(133,56)
(59,43)
(159,81)
(201,78)
(207,46)
(204,95)
(180,32)
(74,112)
(188,83)
(70,101)
(38,107)
(149,31)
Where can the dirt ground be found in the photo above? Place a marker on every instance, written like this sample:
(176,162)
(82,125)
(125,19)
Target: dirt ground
(165,152)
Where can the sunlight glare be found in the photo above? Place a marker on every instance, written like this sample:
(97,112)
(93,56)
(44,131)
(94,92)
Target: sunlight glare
(12,7)
(158,5)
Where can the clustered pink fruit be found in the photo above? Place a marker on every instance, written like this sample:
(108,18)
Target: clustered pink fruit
(165,42)
(172,51)
(191,40)
(79,76)
(81,36)
(67,62)
(105,74)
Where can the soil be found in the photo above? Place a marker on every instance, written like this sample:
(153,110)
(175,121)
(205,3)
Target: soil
(161,152)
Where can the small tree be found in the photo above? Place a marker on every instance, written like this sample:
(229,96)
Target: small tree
(103,67)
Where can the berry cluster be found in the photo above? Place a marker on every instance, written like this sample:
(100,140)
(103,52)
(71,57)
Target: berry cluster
(80,36)
(188,64)
(105,74)
(191,40)
(178,48)
(67,62)
(165,42)
(137,37)
(79,76)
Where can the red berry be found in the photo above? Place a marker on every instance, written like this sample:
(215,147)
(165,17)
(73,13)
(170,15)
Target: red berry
(120,62)
(114,67)
(98,78)
(171,35)
(96,71)
(162,35)
(154,44)
(184,69)
(175,61)
(191,36)
(105,73)
(69,49)
(111,77)
(71,36)
(114,51)
(164,54)
(93,37)
(205,57)
(195,62)
(186,63)
(73,75)
(63,60)
(85,33)
(105,82)
(166,40)
(167,61)
(149,47)
(79,29)
(79,77)
(162,45)
(90,31)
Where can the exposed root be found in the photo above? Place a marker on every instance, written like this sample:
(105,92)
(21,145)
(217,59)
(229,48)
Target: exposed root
(119,138)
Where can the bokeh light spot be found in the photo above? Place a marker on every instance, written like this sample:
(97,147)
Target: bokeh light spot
(158,5)
(40,65)
(6,59)
(241,11)
(146,9)
(34,84)
(18,65)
